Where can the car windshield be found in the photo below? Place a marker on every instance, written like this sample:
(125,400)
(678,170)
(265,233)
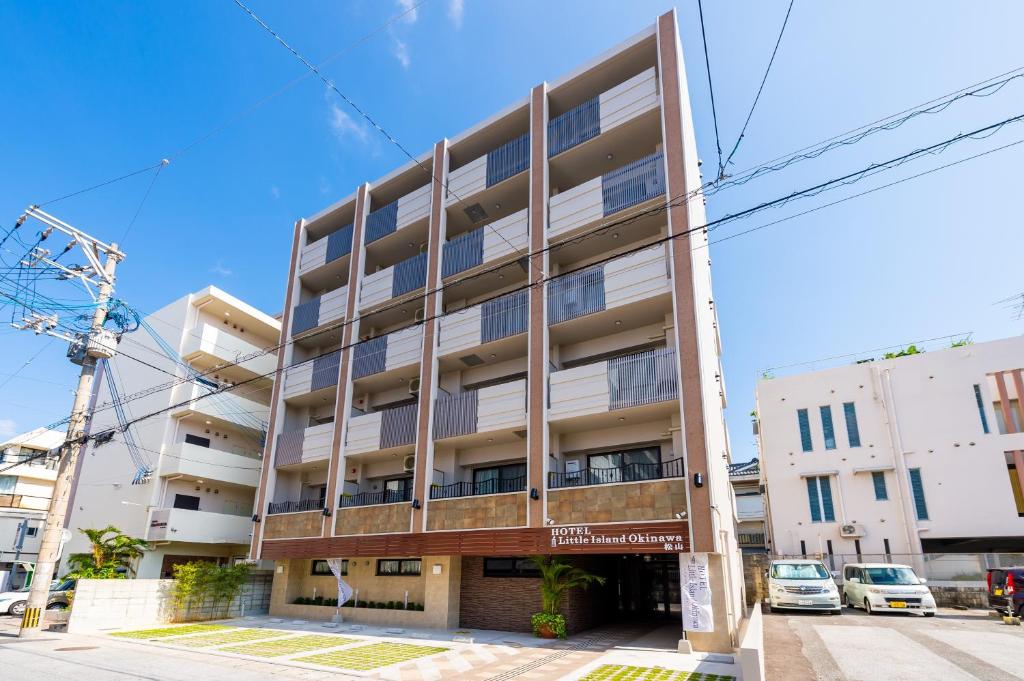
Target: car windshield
(890,575)
(799,571)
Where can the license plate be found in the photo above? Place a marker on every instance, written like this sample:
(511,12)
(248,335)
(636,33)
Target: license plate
(804,602)
(997,592)
(897,604)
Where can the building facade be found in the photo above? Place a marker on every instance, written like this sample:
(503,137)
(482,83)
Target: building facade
(509,347)
(28,470)
(185,479)
(746,485)
(920,454)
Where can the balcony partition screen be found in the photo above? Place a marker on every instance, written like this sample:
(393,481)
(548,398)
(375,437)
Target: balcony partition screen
(289,448)
(381,222)
(339,243)
(509,159)
(574,126)
(369,357)
(409,275)
(504,316)
(633,183)
(325,371)
(306,316)
(455,414)
(643,378)
(463,252)
(398,426)
(576,294)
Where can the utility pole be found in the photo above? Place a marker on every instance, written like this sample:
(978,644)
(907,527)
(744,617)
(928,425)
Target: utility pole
(86,349)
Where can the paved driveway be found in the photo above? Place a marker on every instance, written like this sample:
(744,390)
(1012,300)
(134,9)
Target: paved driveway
(953,646)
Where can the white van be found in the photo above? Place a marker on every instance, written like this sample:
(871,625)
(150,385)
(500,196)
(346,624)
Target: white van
(884,586)
(802,585)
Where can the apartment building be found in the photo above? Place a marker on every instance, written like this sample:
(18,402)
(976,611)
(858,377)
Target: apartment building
(185,479)
(920,454)
(496,351)
(28,470)
(746,486)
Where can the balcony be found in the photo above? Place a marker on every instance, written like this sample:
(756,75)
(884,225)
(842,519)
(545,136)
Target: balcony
(304,446)
(472,489)
(387,496)
(485,410)
(292,519)
(382,430)
(301,506)
(469,506)
(226,408)
(601,114)
(334,246)
(488,170)
(395,216)
(217,346)
(394,282)
(631,472)
(750,507)
(659,499)
(501,240)
(644,382)
(308,380)
(633,185)
(205,463)
(392,351)
(201,527)
(750,539)
(319,312)
(490,322)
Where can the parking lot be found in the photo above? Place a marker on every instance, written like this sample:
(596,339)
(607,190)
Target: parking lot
(953,646)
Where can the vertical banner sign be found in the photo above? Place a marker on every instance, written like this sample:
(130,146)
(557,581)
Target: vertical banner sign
(696,591)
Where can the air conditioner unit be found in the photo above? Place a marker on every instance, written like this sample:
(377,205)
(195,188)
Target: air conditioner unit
(420,314)
(851,531)
(409,463)
(414,386)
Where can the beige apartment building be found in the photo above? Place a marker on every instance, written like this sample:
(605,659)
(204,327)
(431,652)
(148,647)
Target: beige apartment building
(185,479)
(509,347)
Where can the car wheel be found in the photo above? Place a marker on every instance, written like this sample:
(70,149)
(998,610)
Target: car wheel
(867,607)
(17,609)
(929,614)
(846,600)
(836,612)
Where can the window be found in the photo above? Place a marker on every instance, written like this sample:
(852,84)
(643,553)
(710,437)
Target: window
(398,567)
(803,548)
(186,501)
(625,466)
(805,430)
(888,551)
(981,408)
(196,440)
(819,495)
(510,567)
(7,483)
(856,547)
(920,507)
(1015,485)
(31,531)
(852,431)
(397,490)
(496,479)
(320,568)
(827,428)
(1014,424)
(878,479)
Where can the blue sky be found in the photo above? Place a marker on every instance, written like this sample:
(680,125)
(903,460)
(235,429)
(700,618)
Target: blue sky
(96,90)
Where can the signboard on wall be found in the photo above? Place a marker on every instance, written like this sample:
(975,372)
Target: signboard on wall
(696,591)
(625,538)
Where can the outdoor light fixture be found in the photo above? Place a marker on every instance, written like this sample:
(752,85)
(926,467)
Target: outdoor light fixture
(550,521)
(415,503)
(327,512)
(681,515)
(698,480)
(533,494)
(255,517)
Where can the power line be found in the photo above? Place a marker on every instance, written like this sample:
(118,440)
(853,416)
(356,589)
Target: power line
(711,89)
(163,164)
(26,363)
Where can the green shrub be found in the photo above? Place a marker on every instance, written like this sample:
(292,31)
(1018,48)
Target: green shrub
(301,600)
(553,623)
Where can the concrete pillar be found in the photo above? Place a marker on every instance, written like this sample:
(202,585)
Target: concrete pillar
(441,590)
(720,640)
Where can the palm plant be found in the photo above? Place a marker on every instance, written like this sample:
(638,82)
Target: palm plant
(112,554)
(557,577)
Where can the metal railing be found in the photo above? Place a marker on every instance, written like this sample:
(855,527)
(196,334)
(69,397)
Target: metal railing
(295,506)
(633,183)
(455,414)
(381,222)
(463,252)
(509,159)
(325,371)
(643,378)
(472,489)
(398,426)
(576,294)
(409,275)
(339,244)
(387,496)
(750,539)
(630,472)
(504,316)
(575,126)
(369,357)
(289,447)
(306,316)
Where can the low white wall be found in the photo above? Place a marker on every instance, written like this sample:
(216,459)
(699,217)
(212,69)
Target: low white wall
(751,650)
(101,604)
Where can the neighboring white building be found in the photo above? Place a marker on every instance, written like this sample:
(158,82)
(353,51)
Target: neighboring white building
(746,486)
(204,456)
(27,473)
(916,454)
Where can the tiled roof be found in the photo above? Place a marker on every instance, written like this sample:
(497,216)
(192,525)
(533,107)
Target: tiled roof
(752,467)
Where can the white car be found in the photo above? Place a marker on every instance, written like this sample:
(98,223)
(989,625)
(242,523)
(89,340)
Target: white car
(13,602)
(884,586)
(802,585)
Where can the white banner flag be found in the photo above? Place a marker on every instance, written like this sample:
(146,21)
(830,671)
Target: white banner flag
(696,590)
(344,590)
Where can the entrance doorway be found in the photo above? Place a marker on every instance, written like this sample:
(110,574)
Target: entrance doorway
(649,587)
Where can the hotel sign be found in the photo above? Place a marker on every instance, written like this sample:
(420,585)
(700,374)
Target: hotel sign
(610,537)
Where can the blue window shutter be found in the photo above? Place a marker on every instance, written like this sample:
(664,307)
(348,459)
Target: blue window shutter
(981,408)
(852,431)
(881,493)
(812,497)
(826,500)
(827,427)
(918,489)
(805,429)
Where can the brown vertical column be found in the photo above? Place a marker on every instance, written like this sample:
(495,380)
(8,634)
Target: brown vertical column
(537,443)
(348,332)
(428,361)
(1004,401)
(680,250)
(260,505)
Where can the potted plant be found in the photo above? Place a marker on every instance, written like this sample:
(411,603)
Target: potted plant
(557,576)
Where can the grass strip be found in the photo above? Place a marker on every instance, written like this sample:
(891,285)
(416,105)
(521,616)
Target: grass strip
(163,632)
(290,646)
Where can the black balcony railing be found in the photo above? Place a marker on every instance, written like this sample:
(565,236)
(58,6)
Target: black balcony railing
(750,539)
(631,472)
(574,127)
(509,159)
(409,275)
(306,316)
(388,496)
(295,506)
(472,489)
(463,252)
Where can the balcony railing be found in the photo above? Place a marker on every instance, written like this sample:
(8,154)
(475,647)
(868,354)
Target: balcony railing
(508,160)
(382,222)
(463,252)
(504,316)
(633,183)
(398,426)
(632,472)
(370,357)
(409,275)
(643,378)
(470,489)
(750,539)
(339,244)
(306,316)
(387,496)
(455,414)
(289,447)
(576,294)
(574,126)
(325,371)
(295,506)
